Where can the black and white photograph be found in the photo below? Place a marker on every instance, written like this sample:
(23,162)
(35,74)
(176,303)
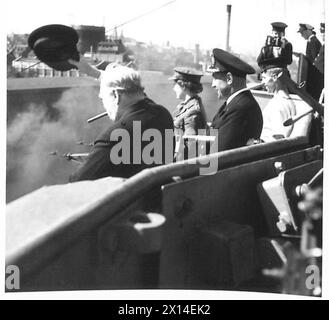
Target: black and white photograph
(164,149)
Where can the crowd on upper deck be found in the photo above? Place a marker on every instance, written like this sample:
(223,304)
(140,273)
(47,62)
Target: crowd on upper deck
(238,122)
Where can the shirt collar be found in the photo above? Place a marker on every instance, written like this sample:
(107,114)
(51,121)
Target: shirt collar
(311,36)
(185,103)
(131,108)
(189,99)
(230,98)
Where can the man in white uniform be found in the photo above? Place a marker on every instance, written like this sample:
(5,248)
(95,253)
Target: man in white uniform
(281,108)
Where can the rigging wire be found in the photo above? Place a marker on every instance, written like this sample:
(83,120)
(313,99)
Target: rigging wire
(142,15)
(120,25)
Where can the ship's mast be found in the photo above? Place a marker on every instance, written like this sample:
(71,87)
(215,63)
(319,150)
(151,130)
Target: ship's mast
(228,7)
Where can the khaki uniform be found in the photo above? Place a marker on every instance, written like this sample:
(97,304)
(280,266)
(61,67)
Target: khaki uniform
(188,119)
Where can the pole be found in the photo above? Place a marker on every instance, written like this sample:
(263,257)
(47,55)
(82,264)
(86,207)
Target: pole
(228,7)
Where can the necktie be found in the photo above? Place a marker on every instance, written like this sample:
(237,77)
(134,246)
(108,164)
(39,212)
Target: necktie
(220,111)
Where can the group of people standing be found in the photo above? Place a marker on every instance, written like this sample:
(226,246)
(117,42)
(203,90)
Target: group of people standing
(273,60)
(278,52)
(315,56)
(237,122)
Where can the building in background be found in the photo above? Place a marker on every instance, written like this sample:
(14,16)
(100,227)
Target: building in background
(112,50)
(95,45)
(89,37)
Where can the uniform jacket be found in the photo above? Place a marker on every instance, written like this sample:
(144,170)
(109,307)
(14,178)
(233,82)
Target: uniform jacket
(315,72)
(276,112)
(189,116)
(99,163)
(312,48)
(319,60)
(238,121)
(283,58)
(188,119)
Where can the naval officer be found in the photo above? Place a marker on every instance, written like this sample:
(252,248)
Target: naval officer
(319,60)
(277,48)
(313,45)
(314,81)
(239,119)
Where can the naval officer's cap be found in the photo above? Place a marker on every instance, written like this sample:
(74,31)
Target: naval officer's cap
(186,74)
(305,26)
(224,62)
(279,26)
(54,44)
(269,63)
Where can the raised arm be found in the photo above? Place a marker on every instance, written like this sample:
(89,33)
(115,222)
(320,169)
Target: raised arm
(84,67)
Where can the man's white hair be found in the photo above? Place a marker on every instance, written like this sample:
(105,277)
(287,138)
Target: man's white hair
(122,78)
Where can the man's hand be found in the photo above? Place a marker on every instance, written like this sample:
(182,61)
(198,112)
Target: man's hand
(85,67)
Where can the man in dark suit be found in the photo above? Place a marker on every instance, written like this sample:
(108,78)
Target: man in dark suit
(319,60)
(124,148)
(314,82)
(240,118)
(313,44)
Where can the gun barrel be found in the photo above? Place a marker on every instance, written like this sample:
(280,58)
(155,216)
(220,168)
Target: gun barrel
(291,121)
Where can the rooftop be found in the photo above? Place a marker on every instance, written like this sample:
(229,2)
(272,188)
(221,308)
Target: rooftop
(14,84)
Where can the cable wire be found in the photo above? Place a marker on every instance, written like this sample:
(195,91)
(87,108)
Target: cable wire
(142,15)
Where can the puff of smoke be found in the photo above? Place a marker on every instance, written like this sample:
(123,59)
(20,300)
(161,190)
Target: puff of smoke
(32,135)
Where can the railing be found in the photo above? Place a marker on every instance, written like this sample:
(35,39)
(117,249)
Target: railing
(42,70)
(32,240)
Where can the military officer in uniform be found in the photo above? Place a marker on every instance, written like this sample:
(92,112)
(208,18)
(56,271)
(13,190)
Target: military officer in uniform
(319,60)
(281,107)
(277,48)
(313,45)
(239,119)
(314,81)
(189,116)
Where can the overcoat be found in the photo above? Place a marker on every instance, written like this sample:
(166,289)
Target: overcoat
(101,162)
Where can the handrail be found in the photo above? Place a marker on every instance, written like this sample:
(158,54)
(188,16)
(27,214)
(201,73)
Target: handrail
(35,251)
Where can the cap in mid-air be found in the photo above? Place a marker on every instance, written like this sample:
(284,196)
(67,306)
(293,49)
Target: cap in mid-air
(279,26)
(305,26)
(224,61)
(54,44)
(186,74)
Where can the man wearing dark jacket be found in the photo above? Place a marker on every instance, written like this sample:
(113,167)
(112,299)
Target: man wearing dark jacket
(240,118)
(277,48)
(313,44)
(314,82)
(136,140)
(319,60)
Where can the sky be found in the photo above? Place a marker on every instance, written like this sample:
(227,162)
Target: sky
(182,22)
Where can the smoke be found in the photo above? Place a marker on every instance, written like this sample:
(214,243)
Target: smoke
(34,139)
(35,133)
